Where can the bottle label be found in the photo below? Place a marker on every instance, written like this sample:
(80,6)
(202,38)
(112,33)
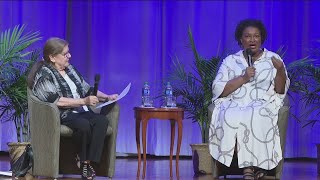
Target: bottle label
(168,92)
(145,92)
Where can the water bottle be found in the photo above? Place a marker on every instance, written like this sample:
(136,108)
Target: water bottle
(146,95)
(168,95)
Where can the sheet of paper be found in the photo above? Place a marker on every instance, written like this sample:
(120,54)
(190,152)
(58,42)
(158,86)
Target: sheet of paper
(121,95)
(6,173)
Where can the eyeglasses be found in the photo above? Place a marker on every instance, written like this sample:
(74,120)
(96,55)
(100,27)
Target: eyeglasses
(66,55)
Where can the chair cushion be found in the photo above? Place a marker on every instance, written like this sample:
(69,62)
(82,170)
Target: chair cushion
(67,132)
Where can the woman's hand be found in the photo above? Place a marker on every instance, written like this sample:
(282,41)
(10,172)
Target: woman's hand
(112,97)
(250,72)
(237,82)
(280,79)
(91,100)
(278,64)
(104,97)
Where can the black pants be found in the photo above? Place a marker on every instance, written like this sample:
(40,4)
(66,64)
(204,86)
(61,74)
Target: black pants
(89,131)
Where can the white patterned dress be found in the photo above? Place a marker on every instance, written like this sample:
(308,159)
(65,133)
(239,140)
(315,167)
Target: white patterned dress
(247,116)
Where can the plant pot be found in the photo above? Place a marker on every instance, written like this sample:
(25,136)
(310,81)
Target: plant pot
(15,150)
(202,160)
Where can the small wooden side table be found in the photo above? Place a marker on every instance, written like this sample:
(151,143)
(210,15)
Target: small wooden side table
(144,114)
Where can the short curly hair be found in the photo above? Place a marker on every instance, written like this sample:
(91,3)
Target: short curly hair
(242,25)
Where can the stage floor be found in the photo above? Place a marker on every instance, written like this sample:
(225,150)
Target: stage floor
(158,169)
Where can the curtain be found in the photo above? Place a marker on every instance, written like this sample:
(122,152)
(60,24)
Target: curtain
(134,41)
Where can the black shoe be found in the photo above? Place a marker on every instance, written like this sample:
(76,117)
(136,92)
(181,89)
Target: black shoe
(93,172)
(248,173)
(260,174)
(87,173)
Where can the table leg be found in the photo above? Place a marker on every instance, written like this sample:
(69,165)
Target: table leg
(144,131)
(178,146)
(138,145)
(173,127)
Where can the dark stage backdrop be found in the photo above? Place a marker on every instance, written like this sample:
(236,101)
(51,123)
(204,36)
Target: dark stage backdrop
(132,41)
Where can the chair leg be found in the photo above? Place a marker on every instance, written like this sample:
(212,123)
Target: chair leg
(215,173)
(279,170)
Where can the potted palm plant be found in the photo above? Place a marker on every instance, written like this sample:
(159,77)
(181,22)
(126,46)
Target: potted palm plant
(307,83)
(15,60)
(193,89)
(304,75)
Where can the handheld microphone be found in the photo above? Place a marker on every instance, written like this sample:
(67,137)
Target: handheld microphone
(96,84)
(249,54)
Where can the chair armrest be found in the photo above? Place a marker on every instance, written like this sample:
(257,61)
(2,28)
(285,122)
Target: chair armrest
(210,110)
(45,135)
(111,112)
(283,124)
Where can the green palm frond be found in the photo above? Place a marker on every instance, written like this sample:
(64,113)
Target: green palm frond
(282,51)
(304,77)
(301,73)
(15,62)
(194,87)
(13,57)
